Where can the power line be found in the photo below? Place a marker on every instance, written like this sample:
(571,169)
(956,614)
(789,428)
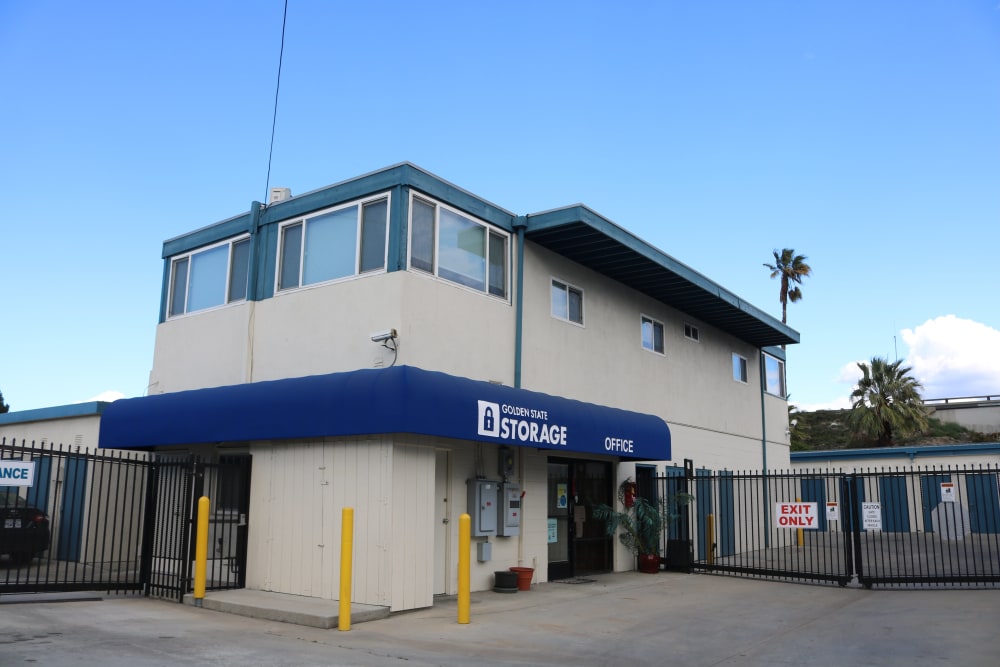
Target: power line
(274,118)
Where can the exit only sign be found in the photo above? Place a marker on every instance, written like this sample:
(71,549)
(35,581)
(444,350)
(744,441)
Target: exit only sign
(796,515)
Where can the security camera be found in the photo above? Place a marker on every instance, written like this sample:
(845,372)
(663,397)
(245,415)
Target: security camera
(382,336)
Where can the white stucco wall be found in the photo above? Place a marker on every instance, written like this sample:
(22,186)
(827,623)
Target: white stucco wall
(714,420)
(79,432)
(327,329)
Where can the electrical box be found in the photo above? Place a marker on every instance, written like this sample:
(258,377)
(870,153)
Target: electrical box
(506,463)
(509,514)
(483,495)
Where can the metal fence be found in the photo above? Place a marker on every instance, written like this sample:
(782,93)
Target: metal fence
(884,527)
(123,521)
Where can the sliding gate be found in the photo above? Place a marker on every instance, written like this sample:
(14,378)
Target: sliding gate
(121,521)
(885,527)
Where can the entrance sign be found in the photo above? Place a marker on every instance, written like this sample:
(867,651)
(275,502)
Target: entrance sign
(871,516)
(832,512)
(17,473)
(947,492)
(796,515)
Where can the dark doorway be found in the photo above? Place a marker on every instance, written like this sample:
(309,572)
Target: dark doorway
(578,543)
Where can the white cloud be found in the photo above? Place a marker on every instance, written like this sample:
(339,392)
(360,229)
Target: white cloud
(953,357)
(106,396)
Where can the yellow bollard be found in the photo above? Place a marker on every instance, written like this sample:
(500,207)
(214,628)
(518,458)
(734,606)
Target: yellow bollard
(201,552)
(464,567)
(346,563)
(710,539)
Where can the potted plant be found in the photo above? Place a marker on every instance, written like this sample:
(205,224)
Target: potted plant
(640,522)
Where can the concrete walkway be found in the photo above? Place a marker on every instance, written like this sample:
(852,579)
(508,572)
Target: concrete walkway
(616,619)
(312,612)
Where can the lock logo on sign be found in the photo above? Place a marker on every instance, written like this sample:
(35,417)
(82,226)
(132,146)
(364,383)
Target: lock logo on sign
(489,424)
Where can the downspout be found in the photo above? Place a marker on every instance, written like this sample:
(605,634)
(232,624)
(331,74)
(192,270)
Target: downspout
(520,223)
(763,448)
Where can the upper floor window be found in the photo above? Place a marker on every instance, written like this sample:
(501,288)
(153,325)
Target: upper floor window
(209,277)
(774,371)
(567,302)
(336,243)
(691,332)
(740,373)
(652,334)
(455,247)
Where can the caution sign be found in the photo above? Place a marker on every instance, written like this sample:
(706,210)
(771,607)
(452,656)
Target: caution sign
(871,516)
(796,515)
(832,512)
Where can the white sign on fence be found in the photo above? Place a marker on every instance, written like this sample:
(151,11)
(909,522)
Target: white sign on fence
(871,516)
(947,492)
(796,515)
(17,473)
(832,512)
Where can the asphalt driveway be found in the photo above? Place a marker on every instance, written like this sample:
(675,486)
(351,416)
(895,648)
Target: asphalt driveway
(617,619)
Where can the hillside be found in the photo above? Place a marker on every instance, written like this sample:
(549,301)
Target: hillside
(828,429)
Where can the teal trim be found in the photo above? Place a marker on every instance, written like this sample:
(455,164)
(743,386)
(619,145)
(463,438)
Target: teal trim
(220,231)
(563,217)
(164,291)
(399,216)
(896,452)
(775,352)
(94,408)
(256,268)
(762,368)
(404,174)
(519,225)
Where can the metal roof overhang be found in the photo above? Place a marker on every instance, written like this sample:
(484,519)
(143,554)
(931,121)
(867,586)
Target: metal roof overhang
(580,234)
(400,399)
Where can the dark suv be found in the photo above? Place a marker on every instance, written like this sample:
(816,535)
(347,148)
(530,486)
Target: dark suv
(24,530)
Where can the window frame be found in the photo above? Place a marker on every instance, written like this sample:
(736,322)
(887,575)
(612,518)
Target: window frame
(567,287)
(491,235)
(302,221)
(643,319)
(744,366)
(226,288)
(692,333)
(783,388)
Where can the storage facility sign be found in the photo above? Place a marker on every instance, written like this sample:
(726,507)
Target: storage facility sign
(17,473)
(796,515)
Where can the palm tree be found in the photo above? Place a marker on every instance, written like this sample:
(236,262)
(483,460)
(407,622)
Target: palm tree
(886,402)
(792,268)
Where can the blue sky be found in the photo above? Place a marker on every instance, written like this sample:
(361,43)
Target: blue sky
(865,135)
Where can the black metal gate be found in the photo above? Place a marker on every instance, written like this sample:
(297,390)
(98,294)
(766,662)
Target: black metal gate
(887,527)
(121,521)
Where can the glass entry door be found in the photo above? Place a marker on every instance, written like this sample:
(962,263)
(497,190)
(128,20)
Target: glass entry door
(578,543)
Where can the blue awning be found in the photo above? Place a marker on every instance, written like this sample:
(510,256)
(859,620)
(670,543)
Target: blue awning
(401,399)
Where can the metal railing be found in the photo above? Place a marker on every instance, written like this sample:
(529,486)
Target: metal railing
(885,527)
(122,522)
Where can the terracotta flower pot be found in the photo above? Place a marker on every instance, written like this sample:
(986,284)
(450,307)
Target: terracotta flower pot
(649,563)
(524,575)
